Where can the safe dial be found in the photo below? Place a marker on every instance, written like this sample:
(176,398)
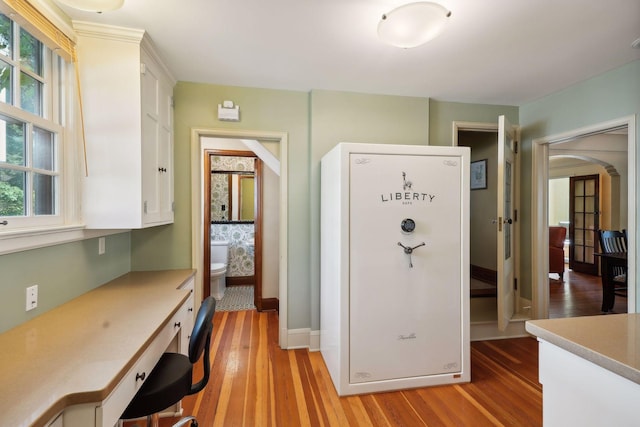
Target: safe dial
(408,225)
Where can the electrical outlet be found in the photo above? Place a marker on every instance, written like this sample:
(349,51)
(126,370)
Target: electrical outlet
(32,297)
(101,246)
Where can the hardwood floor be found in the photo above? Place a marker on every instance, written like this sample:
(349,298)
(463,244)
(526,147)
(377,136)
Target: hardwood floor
(255,383)
(579,295)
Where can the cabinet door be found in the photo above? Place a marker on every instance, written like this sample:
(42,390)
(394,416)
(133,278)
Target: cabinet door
(157,165)
(165,152)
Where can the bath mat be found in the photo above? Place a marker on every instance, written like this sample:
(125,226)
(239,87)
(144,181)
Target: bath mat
(236,298)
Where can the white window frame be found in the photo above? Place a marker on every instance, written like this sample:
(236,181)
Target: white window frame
(60,109)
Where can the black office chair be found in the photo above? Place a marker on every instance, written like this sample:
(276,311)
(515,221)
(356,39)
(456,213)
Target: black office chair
(171,378)
(612,241)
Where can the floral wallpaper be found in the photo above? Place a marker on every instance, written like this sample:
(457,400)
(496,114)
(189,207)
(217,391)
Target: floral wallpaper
(231,163)
(241,253)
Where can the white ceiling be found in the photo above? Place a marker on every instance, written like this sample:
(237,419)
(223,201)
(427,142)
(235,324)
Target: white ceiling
(493,51)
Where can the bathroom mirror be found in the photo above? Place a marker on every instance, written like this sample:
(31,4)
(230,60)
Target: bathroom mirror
(232,196)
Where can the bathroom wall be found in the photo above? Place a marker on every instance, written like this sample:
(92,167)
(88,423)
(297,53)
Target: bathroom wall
(241,254)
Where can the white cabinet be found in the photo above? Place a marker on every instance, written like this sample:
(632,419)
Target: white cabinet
(577,392)
(127,97)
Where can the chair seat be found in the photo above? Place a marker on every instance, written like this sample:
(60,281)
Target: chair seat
(168,383)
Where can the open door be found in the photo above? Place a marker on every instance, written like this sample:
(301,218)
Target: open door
(505,229)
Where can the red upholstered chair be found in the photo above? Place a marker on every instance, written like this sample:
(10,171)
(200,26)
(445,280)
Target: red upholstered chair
(556,250)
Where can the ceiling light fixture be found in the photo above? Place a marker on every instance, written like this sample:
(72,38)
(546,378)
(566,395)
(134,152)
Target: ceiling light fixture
(413,24)
(93,5)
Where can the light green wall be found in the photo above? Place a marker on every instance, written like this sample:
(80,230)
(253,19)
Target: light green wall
(443,114)
(315,122)
(355,117)
(61,272)
(606,97)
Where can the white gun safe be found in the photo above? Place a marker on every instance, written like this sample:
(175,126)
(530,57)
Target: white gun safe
(394,266)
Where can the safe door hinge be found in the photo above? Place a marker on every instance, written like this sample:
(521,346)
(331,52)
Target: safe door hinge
(515,215)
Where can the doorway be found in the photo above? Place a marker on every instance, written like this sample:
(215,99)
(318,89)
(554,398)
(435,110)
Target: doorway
(233,214)
(264,144)
(542,150)
(504,312)
(584,195)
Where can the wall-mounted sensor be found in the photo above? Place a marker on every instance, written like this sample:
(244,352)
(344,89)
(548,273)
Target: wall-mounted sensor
(408,225)
(229,112)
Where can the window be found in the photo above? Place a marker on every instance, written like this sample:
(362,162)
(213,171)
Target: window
(31,81)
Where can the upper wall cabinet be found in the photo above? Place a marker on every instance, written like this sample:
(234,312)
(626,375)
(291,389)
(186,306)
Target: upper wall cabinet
(127,97)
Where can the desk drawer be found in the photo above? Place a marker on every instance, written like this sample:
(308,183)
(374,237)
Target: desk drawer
(109,412)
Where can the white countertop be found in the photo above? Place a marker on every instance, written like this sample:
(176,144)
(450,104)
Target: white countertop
(78,352)
(611,341)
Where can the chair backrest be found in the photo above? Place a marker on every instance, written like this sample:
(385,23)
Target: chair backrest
(557,236)
(200,340)
(612,241)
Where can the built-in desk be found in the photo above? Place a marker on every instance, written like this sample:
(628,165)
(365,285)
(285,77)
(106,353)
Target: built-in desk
(589,370)
(77,364)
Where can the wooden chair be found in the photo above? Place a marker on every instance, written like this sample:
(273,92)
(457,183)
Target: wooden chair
(613,241)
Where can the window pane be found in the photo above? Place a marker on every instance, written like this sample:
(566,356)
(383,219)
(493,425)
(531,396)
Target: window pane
(30,53)
(12,141)
(30,94)
(43,149)
(12,185)
(6,36)
(43,194)
(6,94)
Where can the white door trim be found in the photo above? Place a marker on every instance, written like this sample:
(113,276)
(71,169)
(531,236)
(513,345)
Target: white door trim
(539,209)
(197,209)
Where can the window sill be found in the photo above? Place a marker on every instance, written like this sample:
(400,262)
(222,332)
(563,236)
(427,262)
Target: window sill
(34,238)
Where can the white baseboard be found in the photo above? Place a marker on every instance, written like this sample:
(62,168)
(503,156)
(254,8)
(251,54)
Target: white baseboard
(480,331)
(303,338)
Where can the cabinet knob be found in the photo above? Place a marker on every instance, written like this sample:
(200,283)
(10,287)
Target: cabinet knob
(141,376)
(162,169)
(177,324)
(190,309)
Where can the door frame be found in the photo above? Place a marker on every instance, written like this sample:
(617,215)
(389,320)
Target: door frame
(198,149)
(539,208)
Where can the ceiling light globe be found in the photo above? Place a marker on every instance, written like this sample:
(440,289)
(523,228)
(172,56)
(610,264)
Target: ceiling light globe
(93,5)
(413,24)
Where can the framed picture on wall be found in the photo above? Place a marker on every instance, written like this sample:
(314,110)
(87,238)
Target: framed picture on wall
(479,174)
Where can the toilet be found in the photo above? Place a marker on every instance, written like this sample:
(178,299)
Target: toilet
(219,259)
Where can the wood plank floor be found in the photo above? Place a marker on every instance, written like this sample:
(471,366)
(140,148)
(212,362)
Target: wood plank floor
(255,383)
(579,295)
